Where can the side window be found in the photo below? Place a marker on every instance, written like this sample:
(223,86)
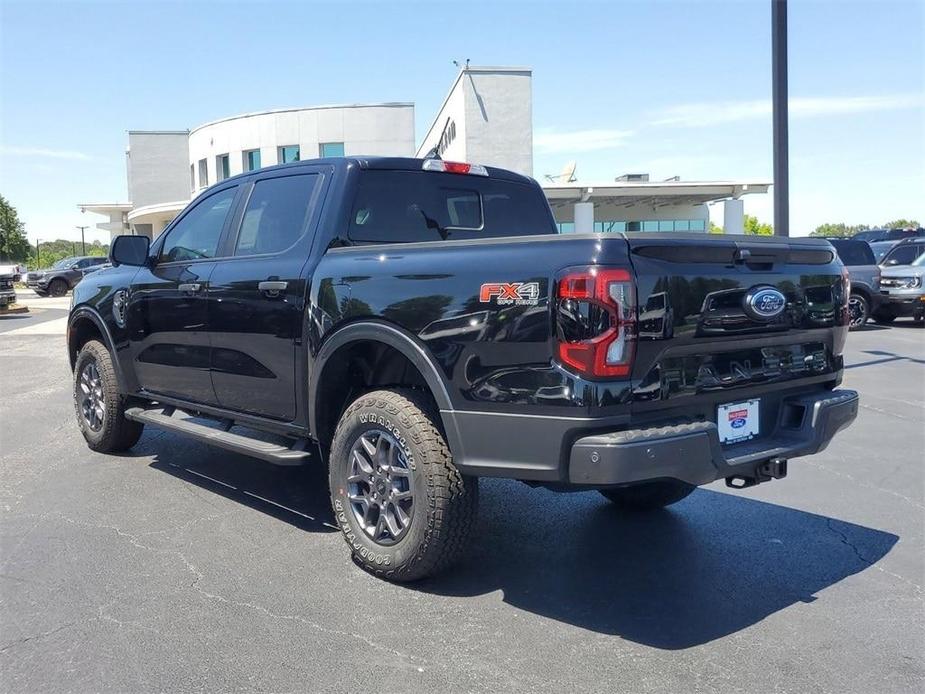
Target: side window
(197,234)
(276,215)
(84,263)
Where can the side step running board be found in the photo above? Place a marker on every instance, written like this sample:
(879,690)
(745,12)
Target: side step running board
(264,450)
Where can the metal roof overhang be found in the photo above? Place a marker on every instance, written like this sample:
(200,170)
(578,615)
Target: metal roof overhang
(657,194)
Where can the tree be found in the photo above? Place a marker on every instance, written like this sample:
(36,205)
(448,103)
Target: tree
(839,230)
(14,247)
(754,227)
(901,224)
(714,229)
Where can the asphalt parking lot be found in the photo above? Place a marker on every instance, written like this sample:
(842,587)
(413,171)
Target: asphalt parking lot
(179,567)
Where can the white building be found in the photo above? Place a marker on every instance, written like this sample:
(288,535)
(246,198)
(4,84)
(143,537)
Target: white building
(486,118)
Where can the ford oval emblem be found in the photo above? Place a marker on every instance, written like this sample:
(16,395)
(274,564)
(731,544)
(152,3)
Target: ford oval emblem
(764,303)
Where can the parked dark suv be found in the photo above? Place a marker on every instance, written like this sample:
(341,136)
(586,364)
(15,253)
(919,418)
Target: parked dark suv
(858,257)
(63,275)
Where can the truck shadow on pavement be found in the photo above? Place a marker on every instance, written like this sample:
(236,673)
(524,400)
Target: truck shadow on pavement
(296,495)
(705,568)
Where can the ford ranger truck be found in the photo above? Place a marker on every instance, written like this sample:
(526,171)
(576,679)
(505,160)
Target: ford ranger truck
(414,325)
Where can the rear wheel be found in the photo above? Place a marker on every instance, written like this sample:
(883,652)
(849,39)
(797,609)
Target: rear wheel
(99,405)
(649,495)
(858,311)
(57,287)
(884,317)
(403,507)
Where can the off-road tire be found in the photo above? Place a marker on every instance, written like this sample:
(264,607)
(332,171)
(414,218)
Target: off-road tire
(649,495)
(445,501)
(116,433)
(57,287)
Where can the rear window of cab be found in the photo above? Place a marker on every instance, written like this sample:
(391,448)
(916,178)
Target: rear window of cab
(413,206)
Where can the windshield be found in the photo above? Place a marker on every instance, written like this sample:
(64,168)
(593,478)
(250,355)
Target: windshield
(881,248)
(64,262)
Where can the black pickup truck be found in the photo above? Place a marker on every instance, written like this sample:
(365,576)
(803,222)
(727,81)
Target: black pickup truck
(416,324)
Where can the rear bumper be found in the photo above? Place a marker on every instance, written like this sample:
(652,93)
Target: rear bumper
(692,452)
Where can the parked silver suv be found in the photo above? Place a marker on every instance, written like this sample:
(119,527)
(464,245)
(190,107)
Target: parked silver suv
(865,279)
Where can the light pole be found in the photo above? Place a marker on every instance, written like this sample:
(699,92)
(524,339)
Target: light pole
(83,245)
(779,116)
(38,255)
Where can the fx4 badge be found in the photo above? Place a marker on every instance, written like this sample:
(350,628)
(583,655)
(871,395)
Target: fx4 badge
(511,293)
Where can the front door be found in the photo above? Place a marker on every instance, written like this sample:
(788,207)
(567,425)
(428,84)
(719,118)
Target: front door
(257,293)
(167,314)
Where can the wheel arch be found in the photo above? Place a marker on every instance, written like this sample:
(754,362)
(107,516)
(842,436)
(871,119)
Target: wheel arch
(387,341)
(84,325)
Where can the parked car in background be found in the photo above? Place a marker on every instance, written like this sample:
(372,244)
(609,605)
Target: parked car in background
(902,292)
(903,252)
(7,292)
(881,248)
(873,235)
(63,275)
(858,257)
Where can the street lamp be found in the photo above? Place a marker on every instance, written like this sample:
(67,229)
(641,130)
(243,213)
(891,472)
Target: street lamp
(83,245)
(779,116)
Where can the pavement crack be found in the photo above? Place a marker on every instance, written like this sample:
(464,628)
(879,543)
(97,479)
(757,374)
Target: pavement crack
(34,637)
(845,540)
(408,660)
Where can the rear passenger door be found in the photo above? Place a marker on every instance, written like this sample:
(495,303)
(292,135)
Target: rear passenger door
(257,292)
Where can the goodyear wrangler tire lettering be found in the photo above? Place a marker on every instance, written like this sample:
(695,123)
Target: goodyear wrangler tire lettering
(403,508)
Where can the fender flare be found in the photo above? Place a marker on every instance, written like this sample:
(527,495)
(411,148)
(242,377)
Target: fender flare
(88,313)
(377,331)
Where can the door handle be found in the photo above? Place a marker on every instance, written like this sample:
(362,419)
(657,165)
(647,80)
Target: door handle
(272,288)
(190,287)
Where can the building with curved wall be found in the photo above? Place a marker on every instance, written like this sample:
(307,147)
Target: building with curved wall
(486,118)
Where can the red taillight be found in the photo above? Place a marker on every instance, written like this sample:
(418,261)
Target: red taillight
(610,352)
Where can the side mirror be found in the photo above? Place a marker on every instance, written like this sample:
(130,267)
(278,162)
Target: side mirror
(892,261)
(129,250)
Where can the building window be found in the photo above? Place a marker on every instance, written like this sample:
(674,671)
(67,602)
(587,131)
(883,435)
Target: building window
(698,225)
(287,154)
(331,149)
(222,167)
(203,173)
(252,160)
(192,177)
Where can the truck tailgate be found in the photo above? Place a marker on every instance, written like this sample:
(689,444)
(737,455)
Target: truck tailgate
(728,318)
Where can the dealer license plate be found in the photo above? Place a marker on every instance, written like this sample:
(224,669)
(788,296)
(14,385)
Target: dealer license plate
(737,421)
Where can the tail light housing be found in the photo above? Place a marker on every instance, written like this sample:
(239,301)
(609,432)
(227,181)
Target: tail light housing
(596,321)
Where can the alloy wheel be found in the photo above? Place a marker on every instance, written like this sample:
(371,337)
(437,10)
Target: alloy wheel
(857,311)
(379,487)
(92,401)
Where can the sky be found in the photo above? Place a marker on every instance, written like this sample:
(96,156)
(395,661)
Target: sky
(670,88)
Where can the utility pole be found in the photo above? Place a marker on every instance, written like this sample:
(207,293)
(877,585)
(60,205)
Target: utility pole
(83,245)
(38,255)
(779,107)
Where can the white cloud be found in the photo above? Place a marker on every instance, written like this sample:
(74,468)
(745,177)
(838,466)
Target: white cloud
(720,112)
(551,141)
(42,152)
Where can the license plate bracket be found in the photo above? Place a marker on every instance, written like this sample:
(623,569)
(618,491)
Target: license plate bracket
(738,421)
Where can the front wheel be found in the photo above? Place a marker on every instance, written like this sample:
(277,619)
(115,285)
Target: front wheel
(649,495)
(57,287)
(99,405)
(858,311)
(404,508)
